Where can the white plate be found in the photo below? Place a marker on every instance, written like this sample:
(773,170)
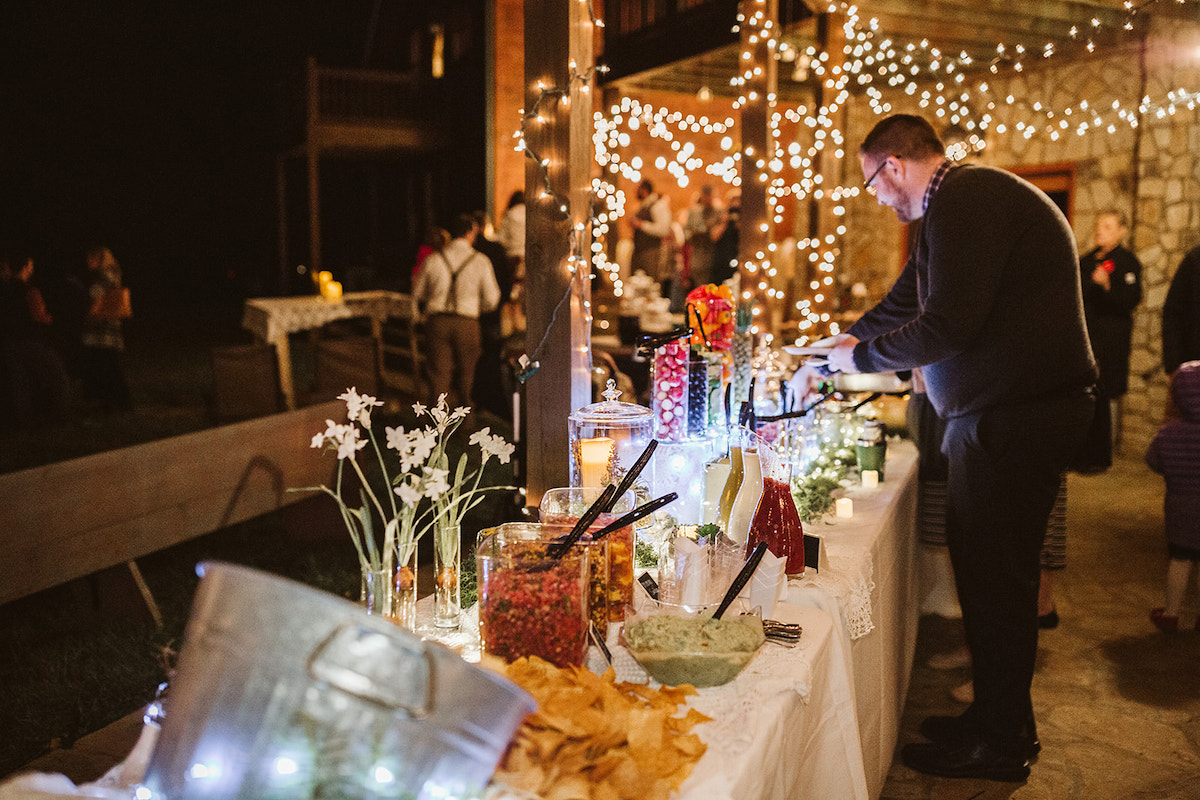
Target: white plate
(810,350)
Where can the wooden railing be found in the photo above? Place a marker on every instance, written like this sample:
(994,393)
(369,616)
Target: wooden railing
(340,95)
(66,520)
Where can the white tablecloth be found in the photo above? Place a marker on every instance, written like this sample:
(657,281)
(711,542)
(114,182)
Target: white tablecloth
(873,593)
(273,318)
(786,726)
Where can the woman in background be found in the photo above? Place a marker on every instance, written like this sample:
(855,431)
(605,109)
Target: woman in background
(103,341)
(37,379)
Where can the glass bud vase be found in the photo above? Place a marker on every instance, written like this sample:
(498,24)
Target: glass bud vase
(404,588)
(447,570)
(376,591)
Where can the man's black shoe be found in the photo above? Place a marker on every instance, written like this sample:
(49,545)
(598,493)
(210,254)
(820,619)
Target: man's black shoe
(964,759)
(958,729)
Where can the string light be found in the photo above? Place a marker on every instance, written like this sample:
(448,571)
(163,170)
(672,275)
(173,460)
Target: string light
(581,245)
(790,170)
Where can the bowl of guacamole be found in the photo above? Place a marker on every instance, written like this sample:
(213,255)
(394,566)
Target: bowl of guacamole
(676,648)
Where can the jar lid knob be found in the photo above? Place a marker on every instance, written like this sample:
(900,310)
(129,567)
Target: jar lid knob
(612,393)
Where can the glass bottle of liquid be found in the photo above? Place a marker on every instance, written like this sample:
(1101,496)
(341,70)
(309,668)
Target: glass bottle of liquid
(732,484)
(777,522)
(716,475)
(746,502)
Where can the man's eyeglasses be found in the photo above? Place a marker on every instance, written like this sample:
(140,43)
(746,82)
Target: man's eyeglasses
(871,180)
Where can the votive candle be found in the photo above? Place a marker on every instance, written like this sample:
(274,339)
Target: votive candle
(870,479)
(845,508)
(594,457)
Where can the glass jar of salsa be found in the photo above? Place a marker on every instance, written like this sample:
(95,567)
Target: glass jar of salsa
(530,603)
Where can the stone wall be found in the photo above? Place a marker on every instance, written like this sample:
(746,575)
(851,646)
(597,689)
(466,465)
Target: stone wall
(1152,172)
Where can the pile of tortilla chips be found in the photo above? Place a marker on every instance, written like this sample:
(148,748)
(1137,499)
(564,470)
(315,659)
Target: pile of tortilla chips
(594,739)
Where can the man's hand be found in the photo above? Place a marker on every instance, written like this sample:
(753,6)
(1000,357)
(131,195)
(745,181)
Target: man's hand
(1101,278)
(841,359)
(804,383)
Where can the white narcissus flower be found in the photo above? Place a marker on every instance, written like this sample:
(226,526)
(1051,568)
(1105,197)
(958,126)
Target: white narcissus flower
(409,495)
(358,406)
(480,436)
(396,438)
(349,443)
(435,482)
(423,442)
(496,446)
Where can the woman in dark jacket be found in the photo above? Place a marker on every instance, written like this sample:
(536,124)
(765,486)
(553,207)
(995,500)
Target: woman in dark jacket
(1181,314)
(1111,279)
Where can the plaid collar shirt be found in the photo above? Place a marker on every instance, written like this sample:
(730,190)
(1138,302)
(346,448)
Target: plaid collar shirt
(935,182)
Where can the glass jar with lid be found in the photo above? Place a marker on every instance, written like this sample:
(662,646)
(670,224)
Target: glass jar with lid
(606,438)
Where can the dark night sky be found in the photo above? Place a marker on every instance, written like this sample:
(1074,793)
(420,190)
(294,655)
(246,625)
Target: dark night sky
(152,127)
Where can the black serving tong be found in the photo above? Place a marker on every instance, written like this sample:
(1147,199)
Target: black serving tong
(560,547)
(633,516)
(648,342)
(802,412)
(695,312)
(743,577)
(871,398)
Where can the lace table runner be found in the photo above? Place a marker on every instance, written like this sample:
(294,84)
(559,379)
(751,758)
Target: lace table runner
(848,581)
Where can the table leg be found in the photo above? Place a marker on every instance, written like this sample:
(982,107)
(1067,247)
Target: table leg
(377,332)
(283,353)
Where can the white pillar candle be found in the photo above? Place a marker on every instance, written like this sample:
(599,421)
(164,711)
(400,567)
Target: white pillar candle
(845,508)
(870,479)
(594,456)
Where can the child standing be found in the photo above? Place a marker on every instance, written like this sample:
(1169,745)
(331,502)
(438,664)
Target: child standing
(1175,453)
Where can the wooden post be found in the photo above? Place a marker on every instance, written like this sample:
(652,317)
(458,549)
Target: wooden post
(312,154)
(557,302)
(754,232)
(282,210)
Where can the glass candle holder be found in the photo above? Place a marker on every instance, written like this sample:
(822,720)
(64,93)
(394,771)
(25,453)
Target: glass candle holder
(606,438)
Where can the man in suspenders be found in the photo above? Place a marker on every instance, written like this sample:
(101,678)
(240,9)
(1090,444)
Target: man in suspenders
(453,288)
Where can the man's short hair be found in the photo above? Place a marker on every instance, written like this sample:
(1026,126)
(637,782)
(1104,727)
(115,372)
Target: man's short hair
(647,185)
(1122,218)
(462,225)
(903,136)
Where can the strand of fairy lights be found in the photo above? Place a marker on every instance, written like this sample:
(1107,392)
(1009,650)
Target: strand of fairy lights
(899,65)
(903,65)
(579,239)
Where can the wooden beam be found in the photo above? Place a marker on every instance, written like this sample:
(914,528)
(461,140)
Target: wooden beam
(754,230)
(557,303)
(110,508)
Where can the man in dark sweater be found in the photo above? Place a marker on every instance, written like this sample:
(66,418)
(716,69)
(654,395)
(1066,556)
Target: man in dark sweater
(1181,314)
(989,305)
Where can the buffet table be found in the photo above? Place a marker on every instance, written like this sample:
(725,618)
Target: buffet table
(816,720)
(820,720)
(872,590)
(271,319)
